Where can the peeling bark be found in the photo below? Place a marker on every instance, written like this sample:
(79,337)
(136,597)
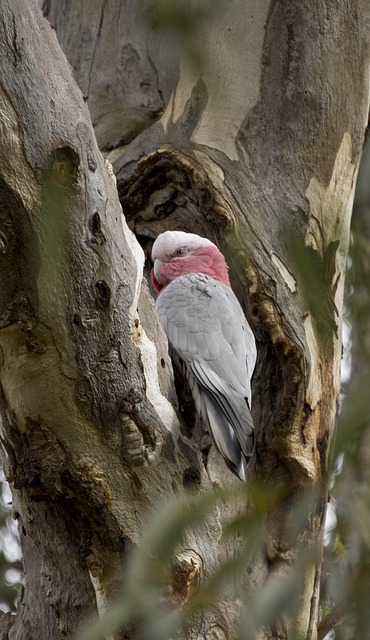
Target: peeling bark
(258,149)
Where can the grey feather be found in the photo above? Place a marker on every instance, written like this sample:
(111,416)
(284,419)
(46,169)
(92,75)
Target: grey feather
(207,329)
(223,436)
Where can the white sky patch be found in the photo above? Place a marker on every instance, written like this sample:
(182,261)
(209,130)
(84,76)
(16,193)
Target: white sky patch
(331,517)
(13,577)
(330,522)
(346,359)
(9,541)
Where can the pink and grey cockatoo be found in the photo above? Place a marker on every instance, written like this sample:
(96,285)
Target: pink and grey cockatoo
(210,336)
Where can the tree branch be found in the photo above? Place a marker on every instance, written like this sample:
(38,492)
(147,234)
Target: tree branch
(328,623)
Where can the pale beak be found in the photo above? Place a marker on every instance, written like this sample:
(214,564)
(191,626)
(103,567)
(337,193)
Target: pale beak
(156,267)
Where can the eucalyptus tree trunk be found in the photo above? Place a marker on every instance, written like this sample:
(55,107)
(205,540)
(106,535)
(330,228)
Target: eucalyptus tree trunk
(252,139)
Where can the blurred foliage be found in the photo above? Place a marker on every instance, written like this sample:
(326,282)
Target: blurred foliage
(346,569)
(181,23)
(146,602)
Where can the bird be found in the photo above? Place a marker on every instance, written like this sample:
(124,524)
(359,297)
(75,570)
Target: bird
(209,337)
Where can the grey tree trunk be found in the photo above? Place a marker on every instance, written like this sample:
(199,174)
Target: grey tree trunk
(257,147)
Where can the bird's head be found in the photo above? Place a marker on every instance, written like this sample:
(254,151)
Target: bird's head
(176,253)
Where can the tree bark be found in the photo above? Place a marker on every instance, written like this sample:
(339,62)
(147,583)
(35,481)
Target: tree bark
(260,152)
(91,442)
(257,148)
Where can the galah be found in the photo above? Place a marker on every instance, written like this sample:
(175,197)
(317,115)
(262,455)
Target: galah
(210,338)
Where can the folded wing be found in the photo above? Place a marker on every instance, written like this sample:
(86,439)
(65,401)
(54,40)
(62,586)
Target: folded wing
(207,329)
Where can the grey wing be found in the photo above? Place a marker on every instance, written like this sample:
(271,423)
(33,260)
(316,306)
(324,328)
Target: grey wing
(206,326)
(223,434)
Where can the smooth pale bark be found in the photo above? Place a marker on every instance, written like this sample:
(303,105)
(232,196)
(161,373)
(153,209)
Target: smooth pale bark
(258,150)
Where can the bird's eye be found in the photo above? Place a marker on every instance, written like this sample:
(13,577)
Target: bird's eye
(181,251)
